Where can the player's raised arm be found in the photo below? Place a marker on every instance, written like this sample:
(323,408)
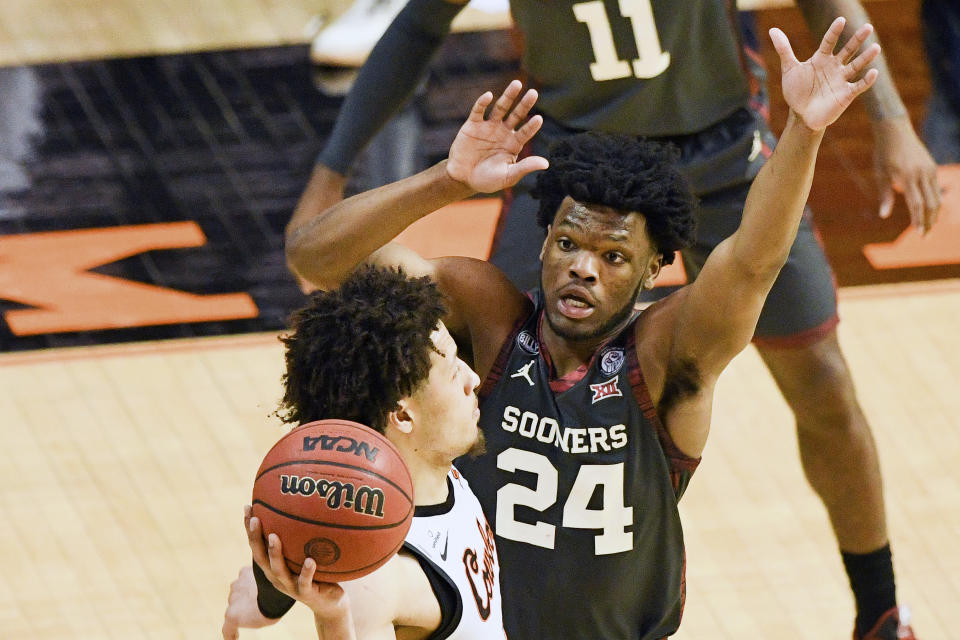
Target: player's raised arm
(325,248)
(386,81)
(721,307)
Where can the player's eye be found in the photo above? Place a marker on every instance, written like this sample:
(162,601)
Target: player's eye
(565,244)
(615,257)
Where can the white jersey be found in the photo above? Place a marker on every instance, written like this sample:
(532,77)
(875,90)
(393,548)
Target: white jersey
(455,540)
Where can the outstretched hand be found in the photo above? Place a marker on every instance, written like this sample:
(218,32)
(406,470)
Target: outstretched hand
(820,89)
(484,153)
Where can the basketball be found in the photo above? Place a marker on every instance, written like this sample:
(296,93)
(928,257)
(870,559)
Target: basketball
(338,492)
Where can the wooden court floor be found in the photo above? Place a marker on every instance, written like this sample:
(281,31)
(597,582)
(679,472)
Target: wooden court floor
(126,468)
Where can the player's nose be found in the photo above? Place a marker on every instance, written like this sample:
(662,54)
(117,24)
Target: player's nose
(584,266)
(472,382)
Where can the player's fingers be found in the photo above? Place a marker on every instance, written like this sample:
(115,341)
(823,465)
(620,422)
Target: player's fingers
(278,565)
(522,109)
(229,629)
(832,36)
(256,542)
(480,107)
(866,57)
(931,198)
(865,82)
(529,164)
(234,593)
(529,129)
(856,41)
(781,44)
(506,100)
(305,579)
(886,202)
(914,197)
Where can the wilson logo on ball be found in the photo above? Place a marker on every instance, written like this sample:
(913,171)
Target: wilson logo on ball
(338,492)
(338,495)
(341,443)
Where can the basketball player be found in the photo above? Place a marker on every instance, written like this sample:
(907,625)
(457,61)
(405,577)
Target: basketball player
(676,70)
(595,416)
(396,369)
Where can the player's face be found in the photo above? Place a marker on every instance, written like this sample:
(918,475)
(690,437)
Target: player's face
(446,404)
(596,261)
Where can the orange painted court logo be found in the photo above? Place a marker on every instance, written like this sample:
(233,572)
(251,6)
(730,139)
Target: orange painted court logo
(51,272)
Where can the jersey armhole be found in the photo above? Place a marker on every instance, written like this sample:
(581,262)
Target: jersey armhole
(451,606)
(490,382)
(681,465)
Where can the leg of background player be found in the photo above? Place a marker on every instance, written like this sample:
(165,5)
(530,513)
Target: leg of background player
(840,461)
(796,337)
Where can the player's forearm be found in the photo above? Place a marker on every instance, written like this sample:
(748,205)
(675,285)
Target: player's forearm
(387,79)
(776,201)
(882,101)
(328,246)
(339,628)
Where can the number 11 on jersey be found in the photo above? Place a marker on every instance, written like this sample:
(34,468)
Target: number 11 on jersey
(608,66)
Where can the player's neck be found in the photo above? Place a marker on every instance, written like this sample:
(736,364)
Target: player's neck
(566,355)
(429,481)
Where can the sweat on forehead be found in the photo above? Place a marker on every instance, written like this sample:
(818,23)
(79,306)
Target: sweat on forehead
(581,214)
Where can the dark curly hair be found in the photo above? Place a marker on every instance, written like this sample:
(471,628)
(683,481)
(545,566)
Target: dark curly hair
(352,353)
(624,173)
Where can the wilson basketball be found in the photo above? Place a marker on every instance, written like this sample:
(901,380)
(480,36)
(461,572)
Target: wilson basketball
(336,491)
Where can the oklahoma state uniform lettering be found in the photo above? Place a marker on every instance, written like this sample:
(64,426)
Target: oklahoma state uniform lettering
(455,541)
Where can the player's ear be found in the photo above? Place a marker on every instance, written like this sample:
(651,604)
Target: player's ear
(401,418)
(652,271)
(543,247)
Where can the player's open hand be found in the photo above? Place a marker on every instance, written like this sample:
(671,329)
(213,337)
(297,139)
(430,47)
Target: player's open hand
(242,610)
(484,153)
(820,89)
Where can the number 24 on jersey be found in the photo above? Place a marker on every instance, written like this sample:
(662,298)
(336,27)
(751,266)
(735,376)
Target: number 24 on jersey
(612,519)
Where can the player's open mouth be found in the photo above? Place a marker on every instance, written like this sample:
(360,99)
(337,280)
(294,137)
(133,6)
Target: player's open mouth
(574,307)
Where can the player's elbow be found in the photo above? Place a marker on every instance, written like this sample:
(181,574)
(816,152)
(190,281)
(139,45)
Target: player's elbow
(759,263)
(315,265)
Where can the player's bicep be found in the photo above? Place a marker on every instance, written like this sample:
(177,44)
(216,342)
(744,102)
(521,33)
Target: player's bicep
(484,306)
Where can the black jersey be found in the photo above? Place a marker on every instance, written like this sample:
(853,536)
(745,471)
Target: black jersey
(640,67)
(581,486)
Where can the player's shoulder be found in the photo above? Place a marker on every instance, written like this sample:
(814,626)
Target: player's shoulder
(653,334)
(484,304)
(658,318)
